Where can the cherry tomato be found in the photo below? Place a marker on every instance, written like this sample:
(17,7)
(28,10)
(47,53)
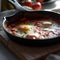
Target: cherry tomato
(37,6)
(29,4)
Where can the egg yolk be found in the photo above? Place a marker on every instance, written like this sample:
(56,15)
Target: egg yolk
(24,27)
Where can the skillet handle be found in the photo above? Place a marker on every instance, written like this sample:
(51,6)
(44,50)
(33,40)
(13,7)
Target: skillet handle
(16,5)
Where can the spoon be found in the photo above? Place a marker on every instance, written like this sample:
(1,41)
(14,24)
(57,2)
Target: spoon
(19,7)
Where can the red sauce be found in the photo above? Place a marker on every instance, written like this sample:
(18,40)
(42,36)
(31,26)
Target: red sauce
(34,29)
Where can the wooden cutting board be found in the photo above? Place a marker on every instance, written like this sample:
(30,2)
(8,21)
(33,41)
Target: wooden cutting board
(28,52)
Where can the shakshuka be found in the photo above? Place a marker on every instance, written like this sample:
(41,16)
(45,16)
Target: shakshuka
(34,29)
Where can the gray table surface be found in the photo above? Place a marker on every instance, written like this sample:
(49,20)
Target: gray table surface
(5,54)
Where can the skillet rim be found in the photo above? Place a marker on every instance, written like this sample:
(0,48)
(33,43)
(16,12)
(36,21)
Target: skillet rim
(5,19)
(32,42)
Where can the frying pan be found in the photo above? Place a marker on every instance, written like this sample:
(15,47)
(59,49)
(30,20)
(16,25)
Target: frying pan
(32,14)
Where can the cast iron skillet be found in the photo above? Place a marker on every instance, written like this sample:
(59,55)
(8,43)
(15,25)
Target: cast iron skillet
(33,15)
